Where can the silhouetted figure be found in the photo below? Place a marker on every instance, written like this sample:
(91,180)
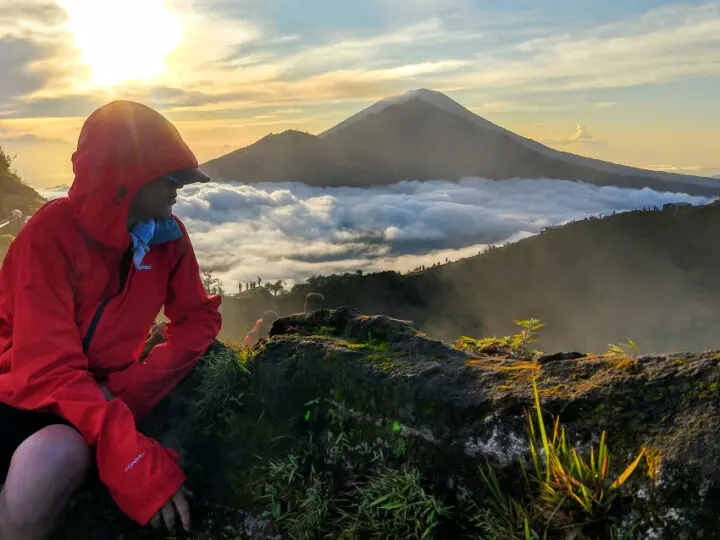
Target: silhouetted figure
(261,329)
(314,301)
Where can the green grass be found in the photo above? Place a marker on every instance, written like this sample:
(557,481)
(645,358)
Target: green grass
(392,503)
(340,484)
(224,378)
(564,490)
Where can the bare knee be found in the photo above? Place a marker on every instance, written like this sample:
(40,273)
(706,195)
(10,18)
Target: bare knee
(58,447)
(44,472)
(56,456)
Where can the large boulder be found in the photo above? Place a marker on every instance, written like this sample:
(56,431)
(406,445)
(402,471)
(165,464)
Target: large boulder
(351,426)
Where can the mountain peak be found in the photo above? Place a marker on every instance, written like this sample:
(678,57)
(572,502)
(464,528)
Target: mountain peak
(400,137)
(449,105)
(422,93)
(289,134)
(438,99)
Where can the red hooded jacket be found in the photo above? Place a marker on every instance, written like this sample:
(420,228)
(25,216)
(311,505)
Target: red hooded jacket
(75,311)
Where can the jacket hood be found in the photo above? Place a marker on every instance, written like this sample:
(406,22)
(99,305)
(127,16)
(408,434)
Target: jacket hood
(122,146)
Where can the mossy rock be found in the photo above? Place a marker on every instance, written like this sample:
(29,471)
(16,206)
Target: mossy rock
(341,403)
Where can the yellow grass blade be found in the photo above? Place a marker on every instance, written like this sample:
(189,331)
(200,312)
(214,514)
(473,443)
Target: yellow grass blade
(543,433)
(631,468)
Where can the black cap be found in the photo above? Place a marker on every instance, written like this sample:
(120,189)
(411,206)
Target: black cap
(188,176)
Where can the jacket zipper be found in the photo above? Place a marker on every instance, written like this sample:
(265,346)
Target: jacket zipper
(125,277)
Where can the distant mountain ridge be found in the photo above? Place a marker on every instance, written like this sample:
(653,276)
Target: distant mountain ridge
(425,135)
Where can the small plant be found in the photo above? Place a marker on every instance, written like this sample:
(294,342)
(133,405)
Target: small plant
(517,344)
(623,348)
(528,334)
(492,345)
(568,476)
(564,490)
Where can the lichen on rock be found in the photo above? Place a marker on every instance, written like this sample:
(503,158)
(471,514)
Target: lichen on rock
(351,426)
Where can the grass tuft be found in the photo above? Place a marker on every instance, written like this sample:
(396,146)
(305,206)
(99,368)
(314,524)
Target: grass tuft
(564,490)
(224,378)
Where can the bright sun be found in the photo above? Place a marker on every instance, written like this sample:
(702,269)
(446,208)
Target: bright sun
(123,40)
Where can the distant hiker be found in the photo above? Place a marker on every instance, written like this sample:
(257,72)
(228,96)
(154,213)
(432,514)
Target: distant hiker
(79,291)
(260,329)
(17,220)
(314,302)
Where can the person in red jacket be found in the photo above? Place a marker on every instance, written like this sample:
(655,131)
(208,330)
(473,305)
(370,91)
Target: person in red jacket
(260,330)
(79,291)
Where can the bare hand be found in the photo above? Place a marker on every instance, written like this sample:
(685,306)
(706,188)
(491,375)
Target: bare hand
(176,505)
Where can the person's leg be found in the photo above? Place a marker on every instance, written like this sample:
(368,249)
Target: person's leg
(45,470)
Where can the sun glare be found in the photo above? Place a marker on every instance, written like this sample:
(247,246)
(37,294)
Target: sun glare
(123,40)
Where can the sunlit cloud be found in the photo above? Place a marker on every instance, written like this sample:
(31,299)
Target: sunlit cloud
(170,46)
(580,136)
(663,45)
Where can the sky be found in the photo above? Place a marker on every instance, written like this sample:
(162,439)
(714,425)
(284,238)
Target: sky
(631,82)
(289,231)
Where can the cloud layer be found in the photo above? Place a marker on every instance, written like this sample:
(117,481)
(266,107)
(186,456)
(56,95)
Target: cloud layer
(292,231)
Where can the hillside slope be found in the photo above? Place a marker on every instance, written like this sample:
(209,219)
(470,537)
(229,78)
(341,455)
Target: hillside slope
(651,276)
(288,156)
(14,193)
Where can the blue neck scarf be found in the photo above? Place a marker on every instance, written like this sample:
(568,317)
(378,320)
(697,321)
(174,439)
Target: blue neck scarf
(152,232)
(141,234)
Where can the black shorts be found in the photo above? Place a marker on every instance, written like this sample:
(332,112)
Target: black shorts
(16,425)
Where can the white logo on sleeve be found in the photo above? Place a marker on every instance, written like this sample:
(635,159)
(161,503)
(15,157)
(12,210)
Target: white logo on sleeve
(134,461)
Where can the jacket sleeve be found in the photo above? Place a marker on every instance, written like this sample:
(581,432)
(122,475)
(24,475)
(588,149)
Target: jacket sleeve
(194,324)
(50,372)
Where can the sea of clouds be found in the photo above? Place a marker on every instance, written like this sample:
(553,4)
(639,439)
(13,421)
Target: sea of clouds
(291,231)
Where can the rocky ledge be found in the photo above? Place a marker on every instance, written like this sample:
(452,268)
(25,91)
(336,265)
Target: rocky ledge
(342,425)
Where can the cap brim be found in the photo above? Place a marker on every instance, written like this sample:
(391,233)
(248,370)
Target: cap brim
(189,176)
